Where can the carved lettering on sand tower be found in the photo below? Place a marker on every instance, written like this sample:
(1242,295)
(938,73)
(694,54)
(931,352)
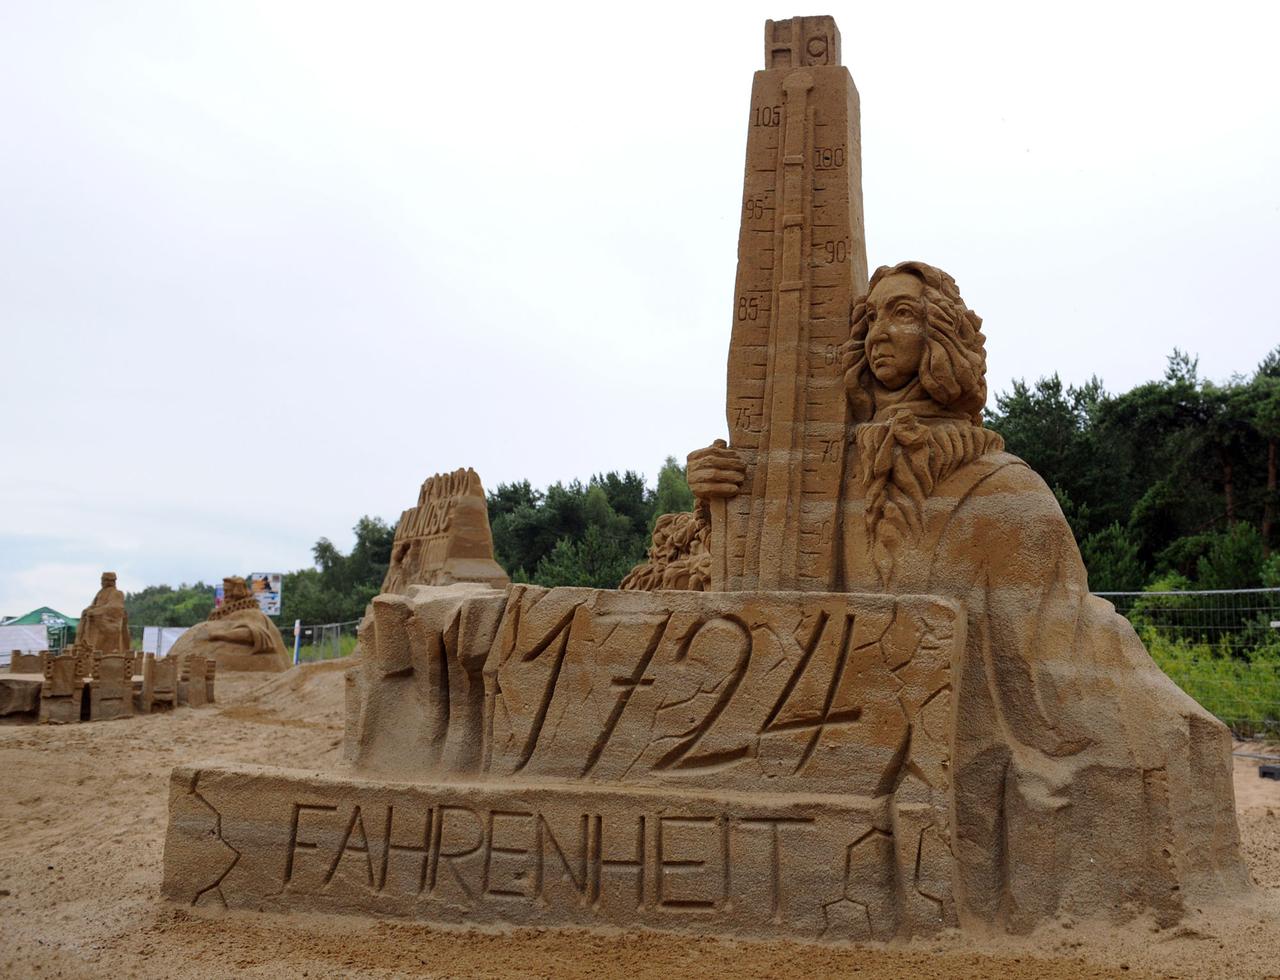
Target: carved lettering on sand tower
(801,264)
(446,537)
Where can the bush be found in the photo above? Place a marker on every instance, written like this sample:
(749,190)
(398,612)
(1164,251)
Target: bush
(588,534)
(1244,693)
(1233,559)
(1157,610)
(1111,556)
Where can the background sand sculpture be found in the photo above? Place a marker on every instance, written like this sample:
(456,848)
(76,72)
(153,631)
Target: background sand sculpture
(679,556)
(445,538)
(237,635)
(104,626)
(915,717)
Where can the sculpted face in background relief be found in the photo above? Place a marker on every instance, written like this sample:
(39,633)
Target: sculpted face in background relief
(678,555)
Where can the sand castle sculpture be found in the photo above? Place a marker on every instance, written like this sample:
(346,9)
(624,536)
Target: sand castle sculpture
(104,626)
(236,636)
(874,697)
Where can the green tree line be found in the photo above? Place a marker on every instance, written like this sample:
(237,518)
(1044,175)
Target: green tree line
(569,534)
(335,589)
(1172,485)
(588,534)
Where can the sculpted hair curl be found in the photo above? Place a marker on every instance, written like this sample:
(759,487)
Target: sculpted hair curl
(953,367)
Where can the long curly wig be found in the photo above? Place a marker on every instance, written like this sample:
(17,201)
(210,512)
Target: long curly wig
(953,367)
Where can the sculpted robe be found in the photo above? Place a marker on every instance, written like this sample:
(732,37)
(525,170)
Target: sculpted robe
(104,626)
(1085,781)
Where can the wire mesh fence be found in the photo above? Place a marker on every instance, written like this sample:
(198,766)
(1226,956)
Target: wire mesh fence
(322,641)
(325,641)
(1221,647)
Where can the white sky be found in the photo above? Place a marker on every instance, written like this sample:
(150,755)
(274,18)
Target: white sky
(265,266)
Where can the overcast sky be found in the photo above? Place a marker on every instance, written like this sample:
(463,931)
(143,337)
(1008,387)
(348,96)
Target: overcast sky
(265,266)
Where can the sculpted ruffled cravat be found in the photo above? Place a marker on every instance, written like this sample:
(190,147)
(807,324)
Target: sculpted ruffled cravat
(901,460)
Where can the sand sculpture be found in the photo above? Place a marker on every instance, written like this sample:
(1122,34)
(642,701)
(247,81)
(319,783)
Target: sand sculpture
(873,698)
(18,695)
(159,683)
(104,626)
(679,557)
(77,687)
(111,687)
(25,663)
(61,693)
(196,680)
(237,635)
(443,540)
(446,537)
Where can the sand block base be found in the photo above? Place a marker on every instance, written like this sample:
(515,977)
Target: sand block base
(750,864)
(20,695)
(239,660)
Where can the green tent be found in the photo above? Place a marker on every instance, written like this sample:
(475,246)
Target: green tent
(44,616)
(61,627)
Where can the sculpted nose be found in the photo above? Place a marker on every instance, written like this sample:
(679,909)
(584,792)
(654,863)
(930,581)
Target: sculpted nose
(882,339)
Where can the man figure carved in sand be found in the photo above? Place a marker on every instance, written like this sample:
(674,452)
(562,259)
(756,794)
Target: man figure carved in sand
(237,635)
(104,626)
(1063,721)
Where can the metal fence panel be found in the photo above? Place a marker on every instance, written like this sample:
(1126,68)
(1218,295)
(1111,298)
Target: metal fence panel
(1220,646)
(325,641)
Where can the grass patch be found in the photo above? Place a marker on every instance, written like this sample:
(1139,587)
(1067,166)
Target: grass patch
(326,650)
(1242,691)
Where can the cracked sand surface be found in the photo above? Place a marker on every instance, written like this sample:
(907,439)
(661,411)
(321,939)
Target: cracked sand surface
(83,826)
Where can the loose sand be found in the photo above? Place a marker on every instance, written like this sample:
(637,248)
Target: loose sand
(82,821)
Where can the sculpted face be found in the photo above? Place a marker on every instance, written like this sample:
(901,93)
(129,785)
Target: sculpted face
(896,329)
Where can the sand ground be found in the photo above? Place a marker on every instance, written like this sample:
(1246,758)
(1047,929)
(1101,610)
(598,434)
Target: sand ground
(82,823)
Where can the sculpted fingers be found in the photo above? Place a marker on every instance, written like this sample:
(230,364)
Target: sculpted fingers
(716,471)
(715,458)
(715,474)
(717,448)
(707,490)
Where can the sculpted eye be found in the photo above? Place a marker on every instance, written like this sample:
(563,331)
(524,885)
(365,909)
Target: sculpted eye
(871,316)
(904,311)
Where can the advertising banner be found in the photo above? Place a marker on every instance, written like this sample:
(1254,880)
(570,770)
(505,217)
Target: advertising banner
(265,587)
(28,639)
